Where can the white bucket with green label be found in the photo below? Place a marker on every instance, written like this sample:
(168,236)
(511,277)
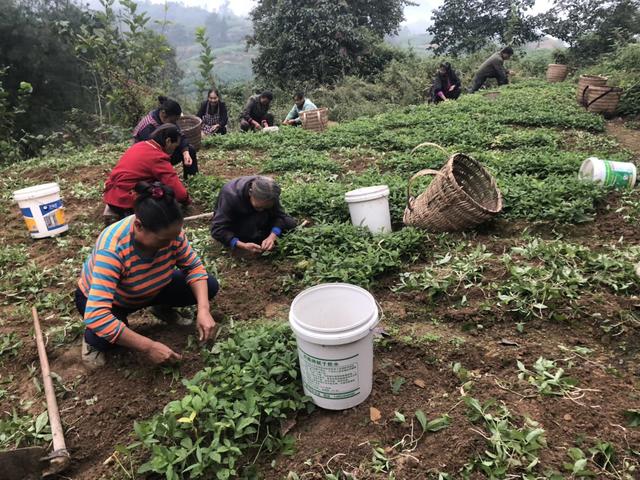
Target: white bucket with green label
(42,209)
(608,173)
(333,324)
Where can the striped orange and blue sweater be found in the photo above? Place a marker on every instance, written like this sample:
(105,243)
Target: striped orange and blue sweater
(115,274)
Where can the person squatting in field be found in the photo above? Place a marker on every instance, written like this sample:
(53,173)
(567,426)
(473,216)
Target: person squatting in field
(255,115)
(301,104)
(213,113)
(493,67)
(248,215)
(169,111)
(143,260)
(446,84)
(147,161)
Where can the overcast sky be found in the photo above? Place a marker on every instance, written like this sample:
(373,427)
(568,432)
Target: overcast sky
(418,14)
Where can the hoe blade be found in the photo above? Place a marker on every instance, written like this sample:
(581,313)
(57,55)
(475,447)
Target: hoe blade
(22,464)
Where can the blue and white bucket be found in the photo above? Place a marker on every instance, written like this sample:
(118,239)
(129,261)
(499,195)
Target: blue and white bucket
(42,209)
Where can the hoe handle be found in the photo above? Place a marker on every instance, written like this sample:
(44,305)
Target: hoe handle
(60,455)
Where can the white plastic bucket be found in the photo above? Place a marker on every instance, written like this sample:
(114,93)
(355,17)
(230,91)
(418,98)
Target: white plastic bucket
(333,324)
(608,172)
(42,210)
(369,207)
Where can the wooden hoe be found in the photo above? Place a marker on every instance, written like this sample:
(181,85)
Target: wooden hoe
(33,463)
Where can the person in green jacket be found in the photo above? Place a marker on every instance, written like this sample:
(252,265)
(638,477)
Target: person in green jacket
(301,104)
(493,67)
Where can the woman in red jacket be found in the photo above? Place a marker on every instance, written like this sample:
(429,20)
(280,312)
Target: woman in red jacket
(146,161)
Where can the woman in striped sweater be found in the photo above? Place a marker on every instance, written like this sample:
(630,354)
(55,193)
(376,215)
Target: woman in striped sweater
(143,260)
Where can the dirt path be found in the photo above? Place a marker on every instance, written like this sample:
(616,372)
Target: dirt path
(627,137)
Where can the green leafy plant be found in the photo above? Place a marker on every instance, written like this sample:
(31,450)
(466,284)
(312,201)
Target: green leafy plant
(344,253)
(511,449)
(547,377)
(10,343)
(24,430)
(233,406)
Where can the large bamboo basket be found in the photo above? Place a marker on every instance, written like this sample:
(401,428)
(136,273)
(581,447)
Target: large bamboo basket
(588,81)
(557,73)
(603,99)
(315,120)
(462,195)
(191,127)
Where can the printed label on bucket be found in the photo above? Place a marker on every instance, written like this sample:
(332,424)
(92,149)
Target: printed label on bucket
(27,214)
(53,214)
(616,178)
(330,378)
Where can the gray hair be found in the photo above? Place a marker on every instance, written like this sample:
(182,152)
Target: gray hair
(265,189)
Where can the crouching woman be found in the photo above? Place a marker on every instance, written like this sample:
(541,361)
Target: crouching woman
(248,215)
(144,260)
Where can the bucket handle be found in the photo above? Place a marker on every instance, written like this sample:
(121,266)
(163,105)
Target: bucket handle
(380,316)
(422,173)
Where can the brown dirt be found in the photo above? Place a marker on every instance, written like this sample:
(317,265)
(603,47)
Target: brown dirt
(628,138)
(98,411)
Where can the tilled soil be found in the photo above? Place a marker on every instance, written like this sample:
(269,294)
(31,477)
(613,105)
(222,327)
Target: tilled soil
(98,409)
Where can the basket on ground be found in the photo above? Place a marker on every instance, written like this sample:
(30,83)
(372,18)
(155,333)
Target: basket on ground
(556,73)
(588,81)
(462,195)
(315,120)
(602,99)
(191,127)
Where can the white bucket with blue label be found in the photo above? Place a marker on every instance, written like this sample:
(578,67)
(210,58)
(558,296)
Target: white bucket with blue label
(42,209)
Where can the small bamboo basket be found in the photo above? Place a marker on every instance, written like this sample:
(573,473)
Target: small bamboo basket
(191,127)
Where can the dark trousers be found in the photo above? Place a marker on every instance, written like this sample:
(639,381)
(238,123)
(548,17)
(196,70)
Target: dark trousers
(453,95)
(176,294)
(479,80)
(246,126)
(177,158)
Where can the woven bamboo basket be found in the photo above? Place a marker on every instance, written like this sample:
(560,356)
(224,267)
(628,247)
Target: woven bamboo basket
(557,73)
(588,81)
(462,195)
(602,99)
(191,127)
(315,120)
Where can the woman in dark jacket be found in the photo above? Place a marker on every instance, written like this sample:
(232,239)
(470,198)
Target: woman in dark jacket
(213,113)
(169,111)
(446,84)
(248,215)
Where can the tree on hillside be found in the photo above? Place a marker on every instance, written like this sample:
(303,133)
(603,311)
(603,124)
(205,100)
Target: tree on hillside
(35,48)
(320,41)
(593,27)
(467,26)
(205,65)
(129,66)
